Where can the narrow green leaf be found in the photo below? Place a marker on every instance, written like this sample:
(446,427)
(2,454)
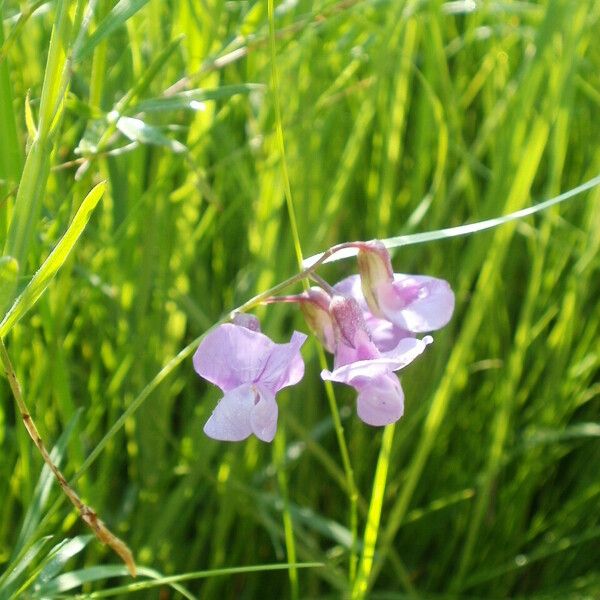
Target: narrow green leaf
(73,579)
(52,563)
(11,159)
(53,263)
(9,272)
(28,201)
(68,578)
(440,234)
(11,578)
(578,431)
(192,99)
(138,131)
(118,16)
(59,556)
(82,109)
(360,587)
(57,72)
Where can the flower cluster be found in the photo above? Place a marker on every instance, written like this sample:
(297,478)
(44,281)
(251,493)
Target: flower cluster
(369,323)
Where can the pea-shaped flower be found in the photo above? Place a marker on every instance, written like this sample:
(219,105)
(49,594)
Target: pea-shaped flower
(360,364)
(417,303)
(250,369)
(384,333)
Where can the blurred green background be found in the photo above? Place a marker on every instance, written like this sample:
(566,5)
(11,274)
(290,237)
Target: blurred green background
(398,117)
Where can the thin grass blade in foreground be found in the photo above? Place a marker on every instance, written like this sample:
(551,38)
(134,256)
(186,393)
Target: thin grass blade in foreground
(361,584)
(118,16)
(36,287)
(172,579)
(37,163)
(468,229)
(280,443)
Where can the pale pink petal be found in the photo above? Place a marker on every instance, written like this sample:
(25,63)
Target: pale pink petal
(352,287)
(231,355)
(358,370)
(405,352)
(263,417)
(314,304)
(363,349)
(380,400)
(284,365)
(384,333)
(416,302)
(230,421)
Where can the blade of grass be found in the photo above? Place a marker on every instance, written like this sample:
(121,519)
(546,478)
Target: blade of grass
(11,153)
(118,16)
(73,579)
(54,561)
(148,585)
(35,173)
(53,263)
(288,524)
(9,580)
(450,232)
(191,99)
(361,583)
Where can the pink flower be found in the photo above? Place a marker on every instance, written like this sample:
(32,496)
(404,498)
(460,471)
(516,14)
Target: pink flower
(416,303)
(250,369)
(359,363)
(384,333)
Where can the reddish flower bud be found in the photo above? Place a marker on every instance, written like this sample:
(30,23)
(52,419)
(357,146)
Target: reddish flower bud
(314,304)
(375,267)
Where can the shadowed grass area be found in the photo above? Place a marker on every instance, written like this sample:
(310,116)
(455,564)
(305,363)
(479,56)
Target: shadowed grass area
(397,117)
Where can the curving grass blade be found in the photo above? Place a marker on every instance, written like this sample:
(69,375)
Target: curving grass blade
(53,263)
(118,16)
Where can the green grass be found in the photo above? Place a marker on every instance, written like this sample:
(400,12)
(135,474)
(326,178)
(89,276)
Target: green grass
(377,119)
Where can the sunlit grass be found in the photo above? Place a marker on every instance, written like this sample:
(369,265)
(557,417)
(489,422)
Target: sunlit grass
(397,118)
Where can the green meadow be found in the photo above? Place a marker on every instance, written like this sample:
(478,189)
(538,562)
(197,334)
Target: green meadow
(164,162)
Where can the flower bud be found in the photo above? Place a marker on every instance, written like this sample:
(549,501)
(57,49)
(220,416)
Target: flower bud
(375,267)
(314,304)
